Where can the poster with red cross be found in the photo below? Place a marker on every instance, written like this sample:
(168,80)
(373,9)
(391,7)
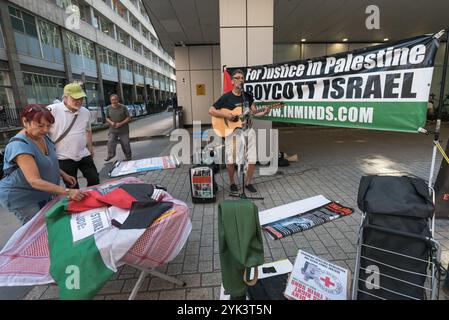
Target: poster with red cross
(313,278)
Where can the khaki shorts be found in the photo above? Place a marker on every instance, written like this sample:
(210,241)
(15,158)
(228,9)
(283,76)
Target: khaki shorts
(235,147)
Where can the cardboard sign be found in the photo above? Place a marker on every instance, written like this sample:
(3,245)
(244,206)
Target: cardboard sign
(313,278)
(87,223)
(138,166)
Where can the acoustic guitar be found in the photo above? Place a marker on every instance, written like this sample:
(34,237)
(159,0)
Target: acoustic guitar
(224,127)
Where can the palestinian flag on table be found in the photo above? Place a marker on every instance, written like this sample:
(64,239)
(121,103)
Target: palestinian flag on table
(88,238)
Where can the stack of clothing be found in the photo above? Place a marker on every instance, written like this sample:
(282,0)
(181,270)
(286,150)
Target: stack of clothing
(79,245)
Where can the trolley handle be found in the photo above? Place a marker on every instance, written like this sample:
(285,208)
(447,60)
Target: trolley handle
(402,233)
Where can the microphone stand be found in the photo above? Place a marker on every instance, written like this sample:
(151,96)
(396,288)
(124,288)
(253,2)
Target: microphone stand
(244,140)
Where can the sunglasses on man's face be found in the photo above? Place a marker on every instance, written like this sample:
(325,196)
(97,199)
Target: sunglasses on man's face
(238,78)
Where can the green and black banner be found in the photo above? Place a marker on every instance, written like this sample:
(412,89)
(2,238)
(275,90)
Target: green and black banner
(383,87)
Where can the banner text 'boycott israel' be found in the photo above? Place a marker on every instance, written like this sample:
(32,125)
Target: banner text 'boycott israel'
(384,87)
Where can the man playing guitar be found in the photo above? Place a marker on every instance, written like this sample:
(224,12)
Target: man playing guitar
(231,100)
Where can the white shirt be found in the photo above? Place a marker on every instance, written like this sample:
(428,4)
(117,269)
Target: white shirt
(74,144)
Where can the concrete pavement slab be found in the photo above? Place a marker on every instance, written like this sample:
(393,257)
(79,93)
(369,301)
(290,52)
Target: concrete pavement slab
(331,163)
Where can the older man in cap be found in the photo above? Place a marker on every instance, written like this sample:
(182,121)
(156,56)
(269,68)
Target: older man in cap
(72,135)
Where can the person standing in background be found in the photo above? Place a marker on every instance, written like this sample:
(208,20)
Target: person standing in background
(117,115)
(72,134)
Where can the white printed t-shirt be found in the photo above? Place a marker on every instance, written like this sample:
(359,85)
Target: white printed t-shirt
(74,144)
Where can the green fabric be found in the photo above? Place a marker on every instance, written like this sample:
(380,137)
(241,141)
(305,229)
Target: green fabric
(66,255)
(377,115)
(240,243)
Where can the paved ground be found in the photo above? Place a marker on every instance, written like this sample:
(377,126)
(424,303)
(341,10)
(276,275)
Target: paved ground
(331,163)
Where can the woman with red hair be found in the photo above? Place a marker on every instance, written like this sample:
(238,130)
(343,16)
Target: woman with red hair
(31,169)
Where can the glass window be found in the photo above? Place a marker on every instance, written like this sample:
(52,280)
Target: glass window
(74,43)
(108,3)
(135,23)
(103,56)
(120,9)
(2,42)
(106,26)
(16,19)
(92,93)
(123,37)
(145,33)
(148,73)
(139,69)
(95,22)
(42,89)
(25,33)
(6,97)
(55,87)
(30,25)
(81,7)
(125,64)
(153,40)
(103,24)
(137,46)
(49,34)
(112,58)
(148,54)
(128,65)
(63,3)
(4,79)
(88,49)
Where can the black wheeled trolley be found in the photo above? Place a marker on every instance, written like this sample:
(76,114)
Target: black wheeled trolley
(397,255)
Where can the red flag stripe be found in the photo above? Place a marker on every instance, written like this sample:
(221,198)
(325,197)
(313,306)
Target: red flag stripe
(227,81)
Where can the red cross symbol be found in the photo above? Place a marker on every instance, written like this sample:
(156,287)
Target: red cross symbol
(327,282)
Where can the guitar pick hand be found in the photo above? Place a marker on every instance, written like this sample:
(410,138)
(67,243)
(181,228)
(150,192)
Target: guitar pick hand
(232,118)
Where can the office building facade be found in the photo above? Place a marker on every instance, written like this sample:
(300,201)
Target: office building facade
(109,45)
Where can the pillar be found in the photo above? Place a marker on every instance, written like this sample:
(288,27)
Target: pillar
(145,92)
(15,71)
(99,77)
(134,90)
(119,84)
(246,36)
(66,55)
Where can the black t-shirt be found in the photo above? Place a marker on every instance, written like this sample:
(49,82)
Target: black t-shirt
(230,101)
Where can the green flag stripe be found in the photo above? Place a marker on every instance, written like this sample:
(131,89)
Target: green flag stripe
(67,258)
(395,116)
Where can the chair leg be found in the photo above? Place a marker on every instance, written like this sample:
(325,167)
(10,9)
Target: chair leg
(167,278)
(143,275)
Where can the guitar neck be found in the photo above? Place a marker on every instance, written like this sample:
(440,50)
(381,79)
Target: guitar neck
(263,108)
